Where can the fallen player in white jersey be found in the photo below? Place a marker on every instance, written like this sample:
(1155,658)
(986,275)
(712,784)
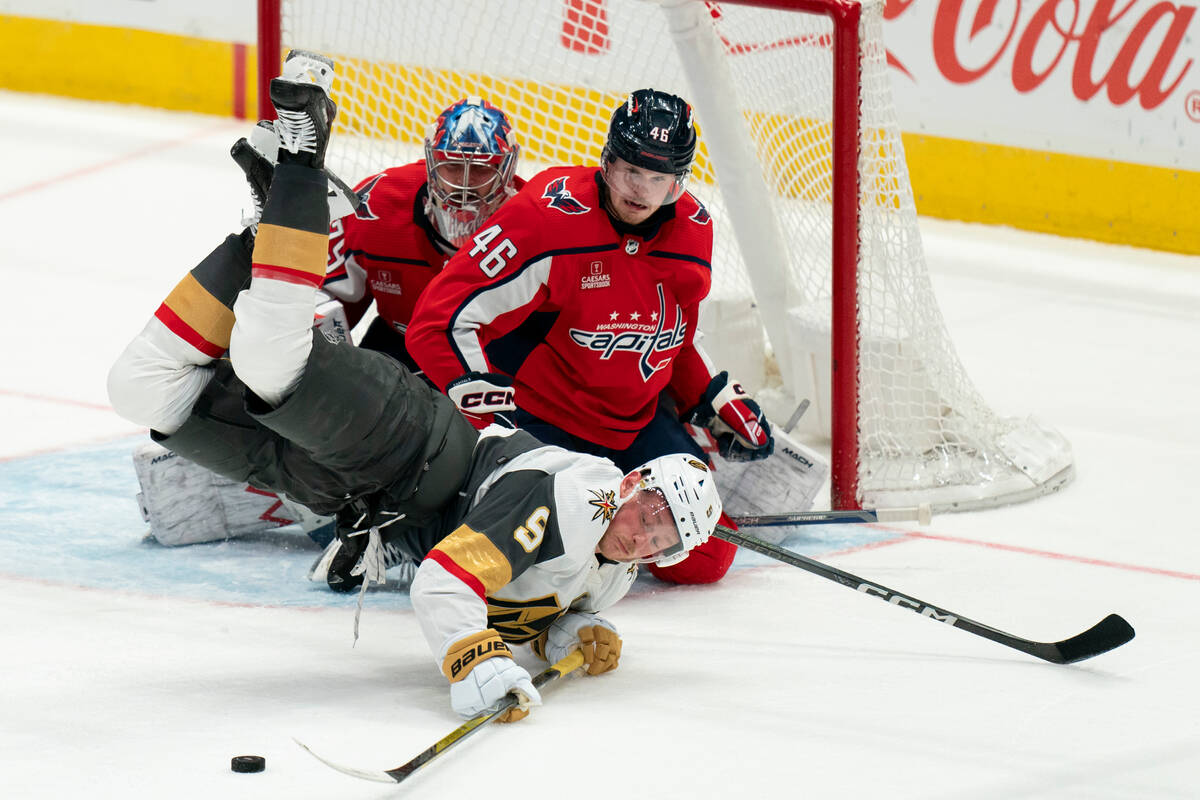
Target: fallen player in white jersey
(516,542)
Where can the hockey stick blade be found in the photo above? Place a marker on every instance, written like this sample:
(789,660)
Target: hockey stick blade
(564,666)
(365,774)
(1107,634)
(1110,633)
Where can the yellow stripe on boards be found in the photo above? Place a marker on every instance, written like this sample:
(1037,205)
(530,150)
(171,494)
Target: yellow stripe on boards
(1090,198)
(1056,193)
(99,62)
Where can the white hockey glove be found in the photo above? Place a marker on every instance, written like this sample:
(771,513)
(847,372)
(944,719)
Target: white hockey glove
(481,672)
(594,636)
(479,394)
(735,420)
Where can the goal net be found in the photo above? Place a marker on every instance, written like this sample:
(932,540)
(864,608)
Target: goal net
(820,288)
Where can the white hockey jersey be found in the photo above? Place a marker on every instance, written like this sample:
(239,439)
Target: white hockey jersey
(525,553)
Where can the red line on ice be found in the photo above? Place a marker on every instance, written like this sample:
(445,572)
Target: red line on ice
(112,162)
(1099,562)
(42,398)
(69,446)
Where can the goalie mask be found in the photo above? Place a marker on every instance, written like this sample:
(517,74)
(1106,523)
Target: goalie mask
(470,160)
(678,487)
(652,130)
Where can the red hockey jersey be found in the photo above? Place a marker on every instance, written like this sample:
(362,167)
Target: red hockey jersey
(592,324)
(388,250)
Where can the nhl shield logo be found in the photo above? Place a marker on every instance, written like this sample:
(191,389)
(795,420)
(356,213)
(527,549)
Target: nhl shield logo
(631,246)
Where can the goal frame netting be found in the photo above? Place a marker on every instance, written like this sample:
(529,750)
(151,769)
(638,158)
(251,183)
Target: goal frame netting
(1036,460)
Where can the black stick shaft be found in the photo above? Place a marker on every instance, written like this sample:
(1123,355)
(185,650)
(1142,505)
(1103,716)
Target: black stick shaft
(1109,633)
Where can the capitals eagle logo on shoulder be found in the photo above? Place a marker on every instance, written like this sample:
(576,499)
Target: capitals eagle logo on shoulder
(560,198)
(701,217)
(364,199)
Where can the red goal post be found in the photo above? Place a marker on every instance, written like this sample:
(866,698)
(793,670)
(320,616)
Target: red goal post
(820,286)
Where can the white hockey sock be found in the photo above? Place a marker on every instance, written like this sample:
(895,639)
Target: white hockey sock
(272,336)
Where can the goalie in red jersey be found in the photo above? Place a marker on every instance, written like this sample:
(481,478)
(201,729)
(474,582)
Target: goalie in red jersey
(571,313)
(410,219)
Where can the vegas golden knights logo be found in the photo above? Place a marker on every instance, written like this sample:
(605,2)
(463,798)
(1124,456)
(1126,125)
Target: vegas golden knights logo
(605,504)
(521,621)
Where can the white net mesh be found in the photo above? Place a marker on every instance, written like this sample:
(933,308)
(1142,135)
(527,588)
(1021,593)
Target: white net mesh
(763,96)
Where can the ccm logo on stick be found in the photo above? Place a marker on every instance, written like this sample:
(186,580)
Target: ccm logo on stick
(908,602)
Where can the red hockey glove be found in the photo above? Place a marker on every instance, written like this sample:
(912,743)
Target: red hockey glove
(736,421)
(479,395)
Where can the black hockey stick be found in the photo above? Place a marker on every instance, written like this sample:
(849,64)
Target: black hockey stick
(397,774)
(921,514)
(1111,632)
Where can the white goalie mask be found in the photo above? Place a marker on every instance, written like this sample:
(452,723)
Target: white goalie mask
(690,492)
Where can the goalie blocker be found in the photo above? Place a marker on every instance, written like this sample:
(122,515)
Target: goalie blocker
(790,479)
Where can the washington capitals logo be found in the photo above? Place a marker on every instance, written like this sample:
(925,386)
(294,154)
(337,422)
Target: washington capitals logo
(364,199)
(652,344)
(663,340)
(605,504)
(701,217)
(556,192)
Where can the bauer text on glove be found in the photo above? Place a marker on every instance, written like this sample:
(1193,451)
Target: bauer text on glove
(482,672)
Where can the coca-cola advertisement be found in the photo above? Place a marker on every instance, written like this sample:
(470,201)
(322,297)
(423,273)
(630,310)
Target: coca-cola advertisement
(1112,79)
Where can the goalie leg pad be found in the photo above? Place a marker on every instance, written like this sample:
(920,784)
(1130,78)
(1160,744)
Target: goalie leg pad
(188,504)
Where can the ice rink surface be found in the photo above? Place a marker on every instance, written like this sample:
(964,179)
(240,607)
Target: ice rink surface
(131,670)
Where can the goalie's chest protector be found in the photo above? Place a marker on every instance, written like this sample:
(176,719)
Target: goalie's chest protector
(623,306)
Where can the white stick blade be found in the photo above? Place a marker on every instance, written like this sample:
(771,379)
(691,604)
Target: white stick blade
(366,774)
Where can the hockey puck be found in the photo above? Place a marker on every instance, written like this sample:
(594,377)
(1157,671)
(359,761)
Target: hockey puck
(248,764)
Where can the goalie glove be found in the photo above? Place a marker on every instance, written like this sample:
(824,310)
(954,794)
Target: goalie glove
(735,421)
(594,636)
(479,395)
(481,672)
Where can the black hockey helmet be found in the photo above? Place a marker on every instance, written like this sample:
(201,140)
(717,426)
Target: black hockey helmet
(653,130)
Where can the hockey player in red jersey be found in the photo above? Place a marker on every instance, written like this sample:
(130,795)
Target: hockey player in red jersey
(410,219)
(572,311)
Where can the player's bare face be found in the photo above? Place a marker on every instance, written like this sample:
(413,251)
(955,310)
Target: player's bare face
(635,193)
(641,530)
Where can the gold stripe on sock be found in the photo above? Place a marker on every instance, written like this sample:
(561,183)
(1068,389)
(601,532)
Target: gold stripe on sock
(287,247)
(202,312)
